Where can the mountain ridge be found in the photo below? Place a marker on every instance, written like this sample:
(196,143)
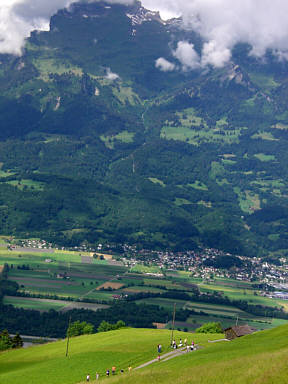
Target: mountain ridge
(184,157)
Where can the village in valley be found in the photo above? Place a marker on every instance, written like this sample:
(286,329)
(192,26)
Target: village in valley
(271,278)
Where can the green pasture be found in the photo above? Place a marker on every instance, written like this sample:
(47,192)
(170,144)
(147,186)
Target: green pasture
(44,278)
(266,82)
(263,135)
(163,302)
(189,127)
(252,359)
(180,201)
(226,321)
(242,294)
(215,309)
(264,157)
(154,180)
(198,185)
(87,354)
(198,137)
(30,184)
(124,137)
(162,283)
(52,65)
(102,295)
(29,303)
(142,288)
(126,95)
(139,268)
(249,201)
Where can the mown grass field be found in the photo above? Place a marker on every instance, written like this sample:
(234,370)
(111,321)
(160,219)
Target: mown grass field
(88,354)
(253,359)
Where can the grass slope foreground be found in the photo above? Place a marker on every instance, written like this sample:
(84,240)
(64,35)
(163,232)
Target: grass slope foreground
(254,359)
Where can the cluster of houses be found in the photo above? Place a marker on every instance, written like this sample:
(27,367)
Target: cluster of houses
(198,263)
(251,269)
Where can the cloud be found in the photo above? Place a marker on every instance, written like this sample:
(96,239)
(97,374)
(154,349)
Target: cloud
(111,75)
(221,23)
(18,18)
(187,55)
(224,23)
(164,65)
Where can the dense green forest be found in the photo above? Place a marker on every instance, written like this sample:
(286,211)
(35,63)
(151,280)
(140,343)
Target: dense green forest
(158,159)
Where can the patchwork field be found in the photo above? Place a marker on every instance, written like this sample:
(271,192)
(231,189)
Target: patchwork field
(63,280)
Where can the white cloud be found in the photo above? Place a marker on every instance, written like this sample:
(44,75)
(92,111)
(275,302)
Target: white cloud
(18,18)
(111,75)
(221,23)
(224,23)
(186,54)
(164,65)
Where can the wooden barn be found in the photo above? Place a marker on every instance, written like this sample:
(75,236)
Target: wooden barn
(238,331)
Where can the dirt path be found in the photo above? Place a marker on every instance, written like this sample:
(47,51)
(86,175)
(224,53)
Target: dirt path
(167,356)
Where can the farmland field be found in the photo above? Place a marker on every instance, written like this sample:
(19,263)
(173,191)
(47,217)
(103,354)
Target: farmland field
(48,278)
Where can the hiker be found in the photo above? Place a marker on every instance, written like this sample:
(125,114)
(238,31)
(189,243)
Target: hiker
(174,345)
(129,368)
(88,377)
(159,357)
(113,370)
(159,348)
(180,343)
(187,348)
(107,373)
(97,376)
(185,342)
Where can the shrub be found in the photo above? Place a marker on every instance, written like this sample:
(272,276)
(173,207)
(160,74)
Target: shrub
(212,327)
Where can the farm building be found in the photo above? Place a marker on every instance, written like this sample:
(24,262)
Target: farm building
(238,331)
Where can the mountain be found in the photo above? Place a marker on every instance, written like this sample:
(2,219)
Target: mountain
(100,145)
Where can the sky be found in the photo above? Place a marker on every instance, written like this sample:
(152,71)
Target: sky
(222,24)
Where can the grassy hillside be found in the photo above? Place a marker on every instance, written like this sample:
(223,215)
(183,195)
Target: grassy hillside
(255,359)
(252,359)
(92,354)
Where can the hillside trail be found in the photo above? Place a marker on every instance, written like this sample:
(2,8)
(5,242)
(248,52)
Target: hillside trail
(166,356)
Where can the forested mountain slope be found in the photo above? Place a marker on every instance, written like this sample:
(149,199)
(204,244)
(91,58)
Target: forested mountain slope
(98,144)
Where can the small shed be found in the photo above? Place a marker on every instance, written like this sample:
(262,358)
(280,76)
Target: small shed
(238,331)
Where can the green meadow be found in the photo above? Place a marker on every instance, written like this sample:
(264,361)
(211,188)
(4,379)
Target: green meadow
(87,354)
(253,359)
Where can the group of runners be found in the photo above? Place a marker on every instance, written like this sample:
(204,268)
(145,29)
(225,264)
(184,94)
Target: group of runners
(174,345)
(189,347)
(113,372)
